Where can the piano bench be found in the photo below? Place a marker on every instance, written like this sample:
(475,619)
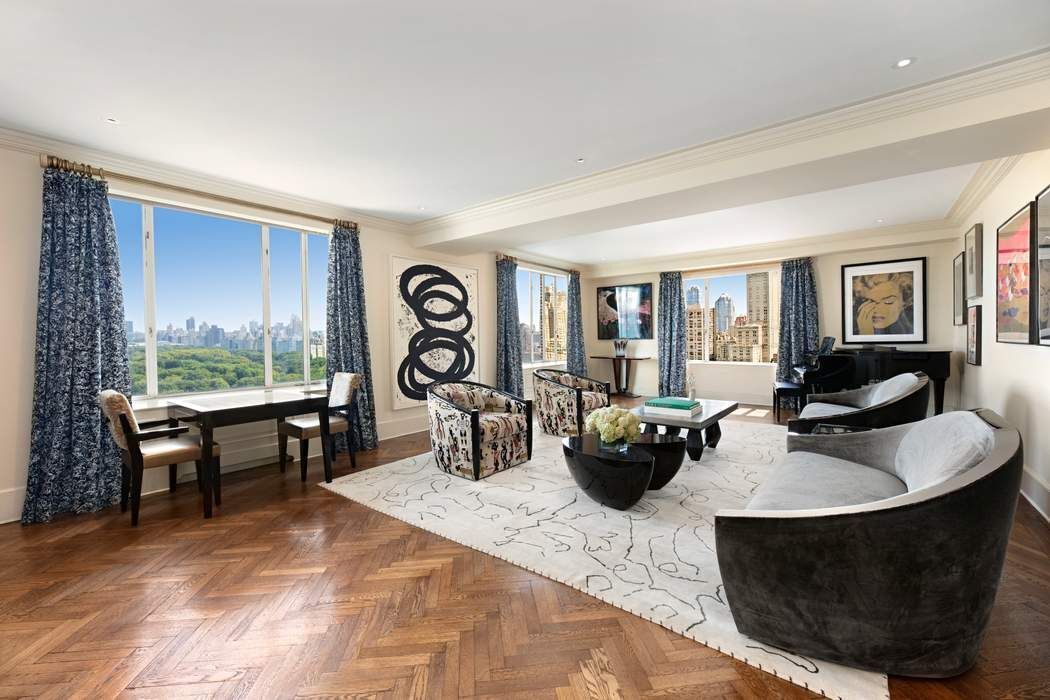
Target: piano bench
(786,390)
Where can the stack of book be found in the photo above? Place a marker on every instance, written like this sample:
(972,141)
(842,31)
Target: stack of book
(674,407)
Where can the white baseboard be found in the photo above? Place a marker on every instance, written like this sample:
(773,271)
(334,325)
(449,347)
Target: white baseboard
(11,501)
(1036,492)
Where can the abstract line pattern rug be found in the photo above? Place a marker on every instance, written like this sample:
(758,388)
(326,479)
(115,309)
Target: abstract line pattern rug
(656,560)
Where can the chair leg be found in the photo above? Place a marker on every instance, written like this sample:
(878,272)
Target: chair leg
(304,450)
(136,493)
(173,473)
(776,407)
(125,487)
(200,475)
(282,445)
(216,481)
(350,449)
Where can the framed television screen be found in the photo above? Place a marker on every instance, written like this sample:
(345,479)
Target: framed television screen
(625,312)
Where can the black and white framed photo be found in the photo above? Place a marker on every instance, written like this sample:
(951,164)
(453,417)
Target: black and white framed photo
(973,335)
(433,326)
(958,290)
(884,302)
(973,247)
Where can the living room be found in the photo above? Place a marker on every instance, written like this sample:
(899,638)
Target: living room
(560,351)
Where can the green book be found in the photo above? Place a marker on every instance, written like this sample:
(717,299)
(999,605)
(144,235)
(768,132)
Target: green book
(673,402)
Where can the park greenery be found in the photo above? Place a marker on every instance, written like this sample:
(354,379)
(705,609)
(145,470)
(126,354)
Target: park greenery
(182,369)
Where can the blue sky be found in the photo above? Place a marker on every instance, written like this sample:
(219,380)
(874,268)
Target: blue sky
(734,285)
(210,268)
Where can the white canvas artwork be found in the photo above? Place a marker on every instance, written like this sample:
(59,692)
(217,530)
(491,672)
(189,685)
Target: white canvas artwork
(434,326)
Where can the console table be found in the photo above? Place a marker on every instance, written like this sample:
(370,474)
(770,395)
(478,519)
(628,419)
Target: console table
(621,372)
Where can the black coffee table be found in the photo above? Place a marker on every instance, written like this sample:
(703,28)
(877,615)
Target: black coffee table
(617,479)
(703,427)
(668,452)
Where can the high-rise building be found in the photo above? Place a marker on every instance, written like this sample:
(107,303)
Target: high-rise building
(191,323)
(725,312)
(758,309)
(554,312)
(129,329)
(692,295)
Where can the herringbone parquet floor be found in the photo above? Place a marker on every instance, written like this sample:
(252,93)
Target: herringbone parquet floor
(291,590)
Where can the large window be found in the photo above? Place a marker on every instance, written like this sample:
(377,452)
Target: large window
(543,311)
(214,303)
(733,318)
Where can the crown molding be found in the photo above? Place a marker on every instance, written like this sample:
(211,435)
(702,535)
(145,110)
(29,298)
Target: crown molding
(980,82)
(919,233)
(24,142)
(988,176)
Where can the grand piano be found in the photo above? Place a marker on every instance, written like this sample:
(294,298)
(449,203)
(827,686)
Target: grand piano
(876,364)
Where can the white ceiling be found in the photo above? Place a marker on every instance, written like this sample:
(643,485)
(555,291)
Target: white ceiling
(924,197)
(385,107)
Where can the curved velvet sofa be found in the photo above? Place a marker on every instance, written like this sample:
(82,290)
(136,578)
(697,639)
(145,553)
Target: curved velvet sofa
(900,585)
(564,400)
(904,398)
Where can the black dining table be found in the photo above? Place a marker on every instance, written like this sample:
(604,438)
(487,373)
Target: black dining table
(209,412)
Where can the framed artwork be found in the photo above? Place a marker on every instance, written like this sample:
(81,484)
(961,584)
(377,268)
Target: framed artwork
(973,246)
(1042,240)
(958,291)
(434,326)
(973,335)
(625,312)
(1014,298)
(884,302)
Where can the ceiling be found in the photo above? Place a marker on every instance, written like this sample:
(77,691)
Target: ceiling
(389,107)
(902,200)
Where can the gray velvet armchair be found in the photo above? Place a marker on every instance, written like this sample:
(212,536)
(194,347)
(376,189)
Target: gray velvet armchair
(904,398)
(881,549)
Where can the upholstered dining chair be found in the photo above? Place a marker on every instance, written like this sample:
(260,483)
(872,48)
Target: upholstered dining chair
(305,428)
(151,444)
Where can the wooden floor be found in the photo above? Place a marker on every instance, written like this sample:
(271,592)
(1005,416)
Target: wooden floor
(293,590)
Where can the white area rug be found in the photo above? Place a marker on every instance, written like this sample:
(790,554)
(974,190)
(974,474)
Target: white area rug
(656,560)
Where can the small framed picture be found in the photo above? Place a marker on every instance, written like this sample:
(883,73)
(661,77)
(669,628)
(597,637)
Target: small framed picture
(973,247)
(973,335)
(1042,274)
(959,293)
(884,302)
(1014,294)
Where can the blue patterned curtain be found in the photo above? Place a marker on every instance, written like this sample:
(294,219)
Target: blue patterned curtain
(348,332)
(799,332)
(576,353)
(671,339)
(81,348)
(508,334)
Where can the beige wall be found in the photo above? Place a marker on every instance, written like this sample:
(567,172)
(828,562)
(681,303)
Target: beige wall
(752,383)
(1013,380)
(20,196)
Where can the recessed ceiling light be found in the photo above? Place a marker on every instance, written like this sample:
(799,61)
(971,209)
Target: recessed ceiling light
(579,160)
(111,120)
(878,221)
(904,62)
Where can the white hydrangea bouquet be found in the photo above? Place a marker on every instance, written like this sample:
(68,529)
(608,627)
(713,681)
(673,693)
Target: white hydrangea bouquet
(614,425)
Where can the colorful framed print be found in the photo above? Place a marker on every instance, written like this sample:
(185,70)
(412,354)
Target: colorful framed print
(1042,274)
(973,246)
(973,335)
(625,312)
(958,291)
(884,302)
(1014,300)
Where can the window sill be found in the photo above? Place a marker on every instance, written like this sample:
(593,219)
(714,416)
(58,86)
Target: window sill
(734,364)
(542,365)
(147,403)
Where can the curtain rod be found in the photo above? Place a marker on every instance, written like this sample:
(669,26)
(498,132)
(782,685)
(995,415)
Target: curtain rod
(504,256)
(49,161)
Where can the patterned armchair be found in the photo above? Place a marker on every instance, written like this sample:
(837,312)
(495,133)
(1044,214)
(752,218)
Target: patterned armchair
(565,400)
(476,431)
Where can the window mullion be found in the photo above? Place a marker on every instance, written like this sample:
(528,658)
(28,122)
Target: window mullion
(149,286)
(266,333)
(304,263)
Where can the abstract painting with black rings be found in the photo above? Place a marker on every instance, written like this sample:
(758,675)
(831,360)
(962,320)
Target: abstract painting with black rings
(434,327)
